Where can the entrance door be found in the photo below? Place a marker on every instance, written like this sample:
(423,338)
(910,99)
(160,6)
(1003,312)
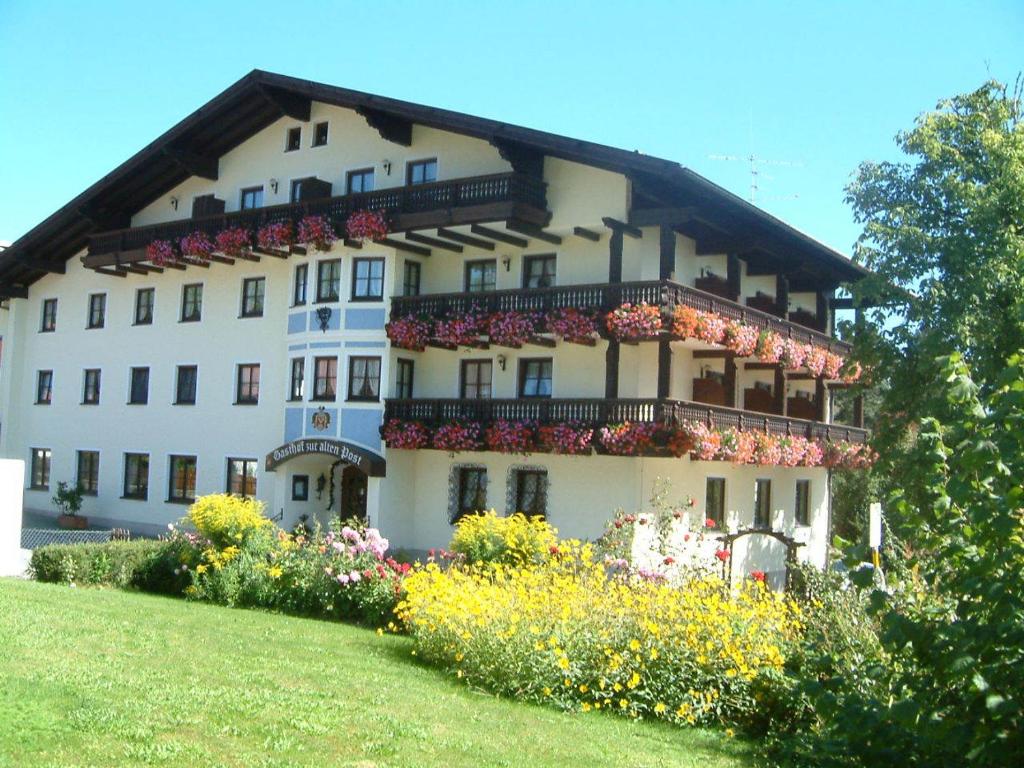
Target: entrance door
(353,494)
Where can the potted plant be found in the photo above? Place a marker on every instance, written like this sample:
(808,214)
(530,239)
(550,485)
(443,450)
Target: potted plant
(69,501)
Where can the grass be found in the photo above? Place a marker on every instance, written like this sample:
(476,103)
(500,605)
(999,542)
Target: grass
(92,677)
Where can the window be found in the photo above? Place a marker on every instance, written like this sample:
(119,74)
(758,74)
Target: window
(299,291)
(803,502)
(97,310)
(421,171)
(40,480)
(91,389)
(539,271)
(293,139)
(300,487)
(144,299)
(714,501)
(531,492)
(481,275)
(88,477)
(185,386)
(359,181)
(367,279)
(253,290)
(296,389)
(762,503)
(411,279)
(320,135)
(535,378)
(472,489)
(296,191)
(136,476)
(242,477)
(49,322)
(325,385)
(182,485)
(364,378)
(191,303)
(248,388)
(44,387)
(476,380)
(138,391)
(403,379)
(328,280)
(252,197)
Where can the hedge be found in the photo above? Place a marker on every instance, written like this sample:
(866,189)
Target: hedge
(144,564)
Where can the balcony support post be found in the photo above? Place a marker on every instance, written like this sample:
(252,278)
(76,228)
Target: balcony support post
(611,370)
(664,368)
(730,381)
(780,391)
(819,399)
(782,296)
(667,244)
(858,411)
(733,273)
(615,257)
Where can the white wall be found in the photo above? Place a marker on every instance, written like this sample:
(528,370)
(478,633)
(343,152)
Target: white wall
(12,480)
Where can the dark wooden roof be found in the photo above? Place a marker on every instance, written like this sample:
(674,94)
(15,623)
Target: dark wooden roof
(260,98)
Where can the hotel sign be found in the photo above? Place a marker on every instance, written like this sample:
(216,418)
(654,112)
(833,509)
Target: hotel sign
(369,462)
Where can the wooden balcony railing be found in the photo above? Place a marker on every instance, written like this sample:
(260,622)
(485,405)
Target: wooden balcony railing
(599,412)
(605,297)
(397,201)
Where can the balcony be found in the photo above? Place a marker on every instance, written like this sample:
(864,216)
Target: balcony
(458,201)
(605,297)
(595,412)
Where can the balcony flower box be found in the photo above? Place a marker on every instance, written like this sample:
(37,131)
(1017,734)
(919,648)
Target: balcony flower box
(510,436)
(739,338)
(767,450)
(317,232)
(634,322)
(770,347)
(710,328)
(792,450)
(197,245)
(816,360)
(572,325)
(512,328)
(409,332)
(706,441)
(833,364)
(233,241)
(737,447)
(406,435)
(459,331)
(367,225)
(627,439)
(276,234)
(160,252)
(567,439)
(794,354)
(457,436)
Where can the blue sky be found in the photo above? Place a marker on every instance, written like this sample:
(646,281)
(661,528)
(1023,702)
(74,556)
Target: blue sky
(816,86)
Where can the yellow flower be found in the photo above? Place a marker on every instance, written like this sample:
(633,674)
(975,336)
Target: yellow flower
(583,688)
(659,708)
(563,663)
(201,568)
(623,703)
(274,571)
(634,645)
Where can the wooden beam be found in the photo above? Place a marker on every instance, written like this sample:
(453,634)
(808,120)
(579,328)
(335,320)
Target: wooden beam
(611,370)
(300,250)
(653,217)
(357,244)
(819,399)
(221,259)
(779,390)
(401,245)
(664,368)
(858,411)
(14,292)
(494,234)
(110,271)
(134,269)
(782,295)
(586,234)
(615,257)
(458,237)
(532,230)
(620,226)
(43,265)
(734,271)
(711,354)
(433,242)
(758,366)
(397,130)
(522,158)
(194,163)
(287,103)
(730,380)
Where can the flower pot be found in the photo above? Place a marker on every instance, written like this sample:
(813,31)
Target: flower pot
(76,522)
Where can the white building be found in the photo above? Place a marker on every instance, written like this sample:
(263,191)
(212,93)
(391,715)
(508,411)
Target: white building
(271,372)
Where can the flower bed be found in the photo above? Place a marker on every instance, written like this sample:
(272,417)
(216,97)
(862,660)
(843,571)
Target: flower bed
(317,232)
(367,225)
(634,322)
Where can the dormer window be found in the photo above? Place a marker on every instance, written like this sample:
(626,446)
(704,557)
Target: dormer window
(294,140)
(320,135)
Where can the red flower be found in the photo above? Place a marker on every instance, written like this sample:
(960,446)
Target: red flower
(686,537)
(757,576)
(677,514)
(617,523)
(709,523)
(553,550)
(669,560)
(722,554)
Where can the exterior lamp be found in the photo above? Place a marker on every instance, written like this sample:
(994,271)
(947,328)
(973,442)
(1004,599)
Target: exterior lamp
(273,186)
(507,261)
(321,483)
(501,362)
(174,203)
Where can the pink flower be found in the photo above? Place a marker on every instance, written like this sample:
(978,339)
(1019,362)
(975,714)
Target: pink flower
(633,322)
(355,576)
(510,436)
(567,438)
(160,252)
(233,241)
(343,578)
(367,225)
(457,436)
(317,232)
(277,234)
(571,324)
(405,435)
(512,328)
(628,439)
(197,245)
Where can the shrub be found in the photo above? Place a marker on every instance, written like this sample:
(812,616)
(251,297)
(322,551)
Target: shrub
(512,540)
(568,633)
(144,564)
(227,520)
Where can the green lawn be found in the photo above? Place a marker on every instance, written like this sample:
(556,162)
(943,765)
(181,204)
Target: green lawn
(103,677)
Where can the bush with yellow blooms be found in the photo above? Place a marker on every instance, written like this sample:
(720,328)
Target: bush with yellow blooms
(513,540)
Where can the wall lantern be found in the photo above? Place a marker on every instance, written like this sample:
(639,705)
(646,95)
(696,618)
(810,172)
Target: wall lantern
(387,167)
(507,261)
(321,483)
(273,186)
(174,202)
(501,362)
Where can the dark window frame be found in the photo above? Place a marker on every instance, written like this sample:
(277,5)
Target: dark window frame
(762,503)
(91,464)
(328,265)
(144,320)
(318,140)
(293,138)
(461,507)
(405,376)
(523,376)
(253,303)
(300,278)
(710,510)
(475,363)
(91,395)
(39,387)
(178,371)
(468,267)
(297,384)
(332,395)
(250,193)
(48,320)
(191,297)
(133,372)
(97,316)
(40,464)
(367,360)
(411,273)
(362,174)
(368,280)
(413,165)
(252,383)
(802,503)
(136,473)
(245,465)
(173,494)
(541,491)
(540,258)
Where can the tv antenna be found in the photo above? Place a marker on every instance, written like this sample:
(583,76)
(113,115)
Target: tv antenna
(756,174)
